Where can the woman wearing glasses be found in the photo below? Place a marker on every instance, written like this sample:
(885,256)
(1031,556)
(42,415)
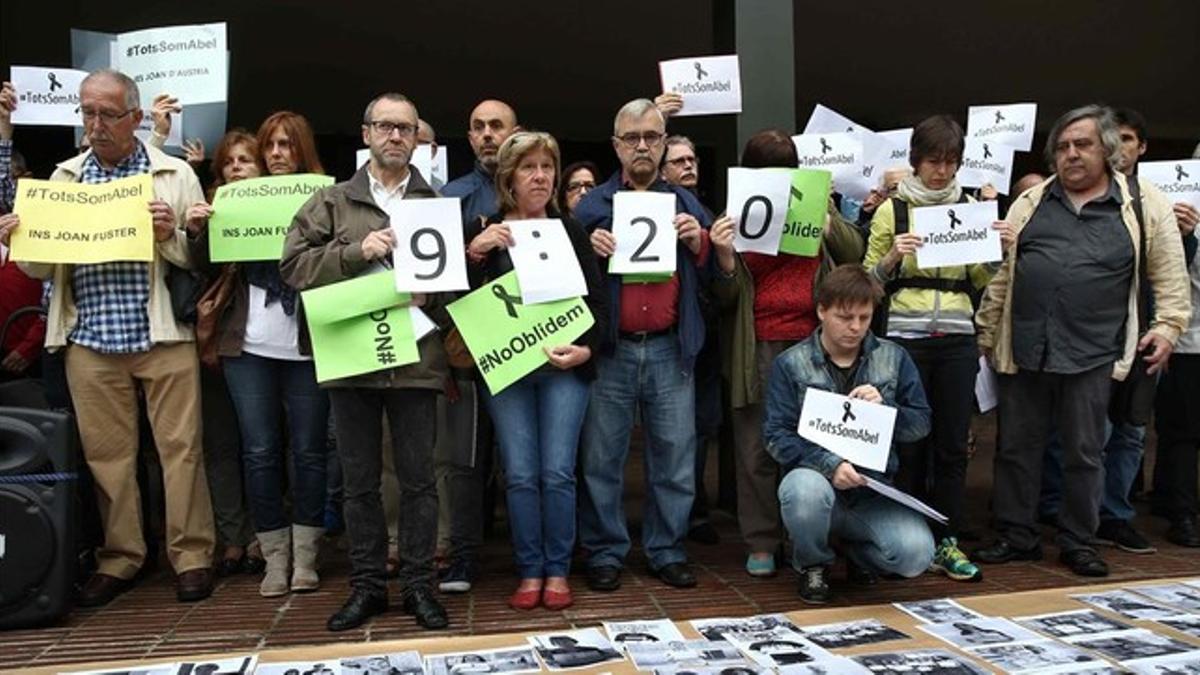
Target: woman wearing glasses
(578,179)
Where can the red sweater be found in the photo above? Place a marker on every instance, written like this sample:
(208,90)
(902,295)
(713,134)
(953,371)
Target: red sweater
(783,295)
(26,334)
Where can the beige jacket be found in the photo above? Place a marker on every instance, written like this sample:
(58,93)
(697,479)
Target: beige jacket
(174,183)
(1164,268)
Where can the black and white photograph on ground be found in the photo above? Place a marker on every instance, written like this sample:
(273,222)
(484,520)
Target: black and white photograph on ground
(1177,664)
(1179,596)
(696,653)
(1069,624)
(717,629)
(659,630)
(1035,657)
(940,610)
(574,649)
(851,633)
(506,660)
(1129,605)
(323,667)
(162,669)
(1132,645)
(980,632)
(238,665)
(777,647)
(1188,624)
(924,661)
(399,663)
(746,668)
(837,665)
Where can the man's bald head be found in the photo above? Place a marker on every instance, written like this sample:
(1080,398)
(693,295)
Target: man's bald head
(1027,181)
(491,123)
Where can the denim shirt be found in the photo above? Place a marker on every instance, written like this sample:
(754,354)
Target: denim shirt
(477,191)
(885,365)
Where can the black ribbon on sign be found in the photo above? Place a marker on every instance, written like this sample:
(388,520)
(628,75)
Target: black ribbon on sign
(999,117)
(700,72)
(953,219)
(54,83)
(1180,174)
(825,147)
(510,301)
(847,415)
(987,153)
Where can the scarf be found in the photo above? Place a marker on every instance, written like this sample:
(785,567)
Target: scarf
(265,275)
(913,191)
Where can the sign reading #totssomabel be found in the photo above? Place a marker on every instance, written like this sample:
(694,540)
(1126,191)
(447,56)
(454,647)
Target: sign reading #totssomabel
(986,163)
(956,234)
(709,85)
(1011,124)
(1180,179)
(857,431)
(76,223)
(188,62)
(47,96)
(840,154)
(251,217)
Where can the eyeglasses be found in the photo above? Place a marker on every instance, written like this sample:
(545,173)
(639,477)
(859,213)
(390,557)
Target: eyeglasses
(386,128)
(103,115)
(577,185)
(633,138)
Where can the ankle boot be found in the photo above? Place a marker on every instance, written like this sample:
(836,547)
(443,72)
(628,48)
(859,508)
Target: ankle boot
(306,543)
(277,551)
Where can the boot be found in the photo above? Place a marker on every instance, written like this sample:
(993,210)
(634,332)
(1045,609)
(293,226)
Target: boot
(306,542)
(277,551)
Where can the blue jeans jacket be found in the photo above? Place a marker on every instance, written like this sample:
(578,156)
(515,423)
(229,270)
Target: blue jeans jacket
(885,365)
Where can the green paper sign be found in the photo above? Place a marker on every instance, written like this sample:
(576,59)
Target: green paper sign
(506,337)
(646,277)
(806,212)
(251,217)
(359,326)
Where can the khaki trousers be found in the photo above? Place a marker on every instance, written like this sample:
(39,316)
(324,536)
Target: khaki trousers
(104,391)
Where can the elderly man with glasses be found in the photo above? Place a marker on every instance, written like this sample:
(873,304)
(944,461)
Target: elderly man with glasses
(645,361)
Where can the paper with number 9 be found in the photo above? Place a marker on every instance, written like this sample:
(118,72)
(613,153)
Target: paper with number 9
(643,225)
(429,254)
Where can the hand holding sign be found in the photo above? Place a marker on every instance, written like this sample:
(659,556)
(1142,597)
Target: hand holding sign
(807,212)
(858,430)
(643,233)
(758,203)
(78,223)
(429,254)
(956,234)
(545,261)
(250,217)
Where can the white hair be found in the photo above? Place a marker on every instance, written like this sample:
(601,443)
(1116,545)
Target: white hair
(636,109)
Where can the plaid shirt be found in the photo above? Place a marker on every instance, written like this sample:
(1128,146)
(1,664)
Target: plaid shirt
(111,298)
(8,187)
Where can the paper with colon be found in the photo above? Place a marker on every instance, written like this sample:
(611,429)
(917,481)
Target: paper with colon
(856,430)
(709,85)
(188,62)
(429,254)
(358,326)
(545,261)
(1179,179)
(643,226)
(251,217)
(841,154)
(758,203)
(76,223)
(47,96)
(507,337)
(956,234)
(986,163)
(807,209)
(1012,124)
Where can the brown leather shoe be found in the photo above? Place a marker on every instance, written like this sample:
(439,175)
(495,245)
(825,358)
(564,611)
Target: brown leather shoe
(194,585)
(100,590)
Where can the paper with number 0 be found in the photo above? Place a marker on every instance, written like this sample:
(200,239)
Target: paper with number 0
(545,261)
(643,225)
(857,431)
(429,254)
(758,203)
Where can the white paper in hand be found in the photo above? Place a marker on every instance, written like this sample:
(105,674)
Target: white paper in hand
(840,154)
(1011,125)
(47,96)
(545,261)
(985,386)
(187,62)
(758,204)
(956,234)
(429,254)
(1180,180)
(421,323)
(986,163)
(361,157)
(825,120)
(422,159)
(855,430)
(709,85)
(643,225)
(145,130)
(906,499)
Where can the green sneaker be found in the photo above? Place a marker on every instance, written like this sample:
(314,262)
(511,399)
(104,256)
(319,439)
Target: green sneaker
(952,562)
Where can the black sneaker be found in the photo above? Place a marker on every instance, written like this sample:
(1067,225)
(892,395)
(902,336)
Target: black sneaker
(1121,534)
(457,577)
(814,585)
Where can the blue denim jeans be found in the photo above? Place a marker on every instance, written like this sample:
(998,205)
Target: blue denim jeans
(646,374)
(262,390)
(1122,457)
(538,420)
(878,534)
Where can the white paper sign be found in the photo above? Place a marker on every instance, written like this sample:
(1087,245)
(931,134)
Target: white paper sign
(361,157)
(857,431)
(986,163)
(643,225)
(710,85)
(758,204)
(422,325)
(840,154)
(188,62)
(901,141)
(1012,124)
(1180,180)
(422,159)
(829,121)
(47,96)
(439,168)
(434,167)
(429,254)
(545,261)
(878,152)
(986,390)
(956,234)
(174,137)
(901,497)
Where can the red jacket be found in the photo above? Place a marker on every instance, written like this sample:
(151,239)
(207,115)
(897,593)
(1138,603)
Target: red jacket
(27,333)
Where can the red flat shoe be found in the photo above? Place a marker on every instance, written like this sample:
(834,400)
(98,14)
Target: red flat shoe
(525,599)
(555,600)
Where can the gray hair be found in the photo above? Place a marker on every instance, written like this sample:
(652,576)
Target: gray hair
(635,109)
(1106,122)
(679,139)
(388,96)
(133,97)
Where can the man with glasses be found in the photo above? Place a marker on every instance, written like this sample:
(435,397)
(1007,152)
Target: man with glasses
(646,362)
(115,322)
(340,233)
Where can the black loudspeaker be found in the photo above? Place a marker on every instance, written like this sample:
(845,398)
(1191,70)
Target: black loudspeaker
(37,515)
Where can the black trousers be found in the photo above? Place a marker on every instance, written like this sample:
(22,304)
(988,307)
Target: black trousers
(1177,420)
(358,424)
